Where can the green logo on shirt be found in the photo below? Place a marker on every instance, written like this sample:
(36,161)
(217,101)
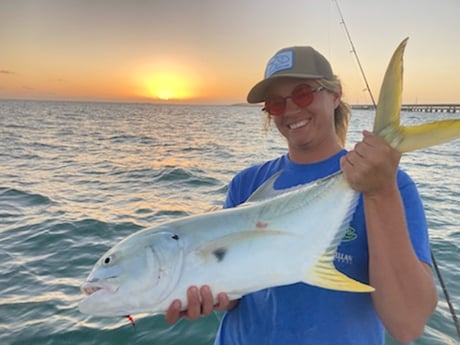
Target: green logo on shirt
(350,235)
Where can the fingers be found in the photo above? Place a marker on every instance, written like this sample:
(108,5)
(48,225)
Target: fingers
(207,300)
(360,153)
(174,312)
(222,302)
(194,303)
(354,158)
(370,152)
(371,165)
(199,302)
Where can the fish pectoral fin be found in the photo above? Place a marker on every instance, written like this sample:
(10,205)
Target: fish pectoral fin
(325,275)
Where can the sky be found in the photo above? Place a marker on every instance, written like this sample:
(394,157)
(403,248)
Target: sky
(214,51)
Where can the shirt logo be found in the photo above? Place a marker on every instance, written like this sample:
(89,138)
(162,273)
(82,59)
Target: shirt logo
(280,62)
(350,235)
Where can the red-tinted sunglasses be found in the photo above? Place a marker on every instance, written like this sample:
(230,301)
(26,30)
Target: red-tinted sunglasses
(302,96)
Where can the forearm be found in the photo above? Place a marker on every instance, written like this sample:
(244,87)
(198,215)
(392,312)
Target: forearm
(405,295)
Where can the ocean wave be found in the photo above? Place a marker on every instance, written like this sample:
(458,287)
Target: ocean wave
(15,200)
(177,174)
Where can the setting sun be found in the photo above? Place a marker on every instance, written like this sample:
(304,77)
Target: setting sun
(166,80)
(167,86)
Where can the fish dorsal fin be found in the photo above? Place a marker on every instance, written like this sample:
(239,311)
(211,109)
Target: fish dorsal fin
(266,190)
(301,195)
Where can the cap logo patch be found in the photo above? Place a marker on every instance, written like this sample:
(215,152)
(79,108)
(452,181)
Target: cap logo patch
(280,62)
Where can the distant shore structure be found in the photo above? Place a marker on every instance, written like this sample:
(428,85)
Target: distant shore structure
(417,108)
(422,108)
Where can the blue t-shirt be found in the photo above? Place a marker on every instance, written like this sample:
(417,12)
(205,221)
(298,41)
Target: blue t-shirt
(304,314)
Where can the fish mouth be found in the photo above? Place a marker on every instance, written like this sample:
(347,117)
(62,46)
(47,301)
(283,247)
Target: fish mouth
(89,290)
(91,287)
(97,295)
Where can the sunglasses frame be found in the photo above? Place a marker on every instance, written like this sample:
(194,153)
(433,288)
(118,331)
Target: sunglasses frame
(305,86)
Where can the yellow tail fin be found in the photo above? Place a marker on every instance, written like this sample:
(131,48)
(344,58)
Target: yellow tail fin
(387,117)
(429,134)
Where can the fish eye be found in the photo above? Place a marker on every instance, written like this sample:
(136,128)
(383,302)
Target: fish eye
(107,260)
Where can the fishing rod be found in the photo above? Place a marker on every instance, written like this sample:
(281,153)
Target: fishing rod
(444,289)
(438,272)
(353,50)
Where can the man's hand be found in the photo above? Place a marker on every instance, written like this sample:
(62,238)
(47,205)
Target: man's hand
(199,302)
(371,166)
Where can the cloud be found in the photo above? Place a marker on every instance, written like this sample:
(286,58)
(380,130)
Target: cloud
(5,71)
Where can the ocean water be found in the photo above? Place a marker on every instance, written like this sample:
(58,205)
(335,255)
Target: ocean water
(77,177)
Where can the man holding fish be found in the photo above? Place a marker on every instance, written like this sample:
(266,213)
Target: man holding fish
(318,246)
(385,246)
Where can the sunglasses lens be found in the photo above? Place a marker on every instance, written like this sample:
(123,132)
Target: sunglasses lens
(275,105)
(302,95)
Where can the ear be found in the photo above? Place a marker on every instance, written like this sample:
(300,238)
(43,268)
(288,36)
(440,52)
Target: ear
(337,98)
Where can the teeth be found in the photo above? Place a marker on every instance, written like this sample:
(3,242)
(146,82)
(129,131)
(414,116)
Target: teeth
(90,290)
(298,124)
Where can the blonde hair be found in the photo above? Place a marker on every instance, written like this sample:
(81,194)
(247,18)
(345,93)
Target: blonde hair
(342,113)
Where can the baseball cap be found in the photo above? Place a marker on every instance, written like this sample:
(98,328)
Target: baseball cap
(294,62)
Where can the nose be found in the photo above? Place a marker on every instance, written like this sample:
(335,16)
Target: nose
(291,107)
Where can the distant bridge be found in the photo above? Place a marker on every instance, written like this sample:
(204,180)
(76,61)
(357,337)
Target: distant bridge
(424,108)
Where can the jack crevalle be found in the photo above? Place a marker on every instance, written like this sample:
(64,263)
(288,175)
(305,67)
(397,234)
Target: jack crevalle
(270,240)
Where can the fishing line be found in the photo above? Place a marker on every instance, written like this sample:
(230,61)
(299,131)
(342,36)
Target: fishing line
(438,272)
(444,289)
